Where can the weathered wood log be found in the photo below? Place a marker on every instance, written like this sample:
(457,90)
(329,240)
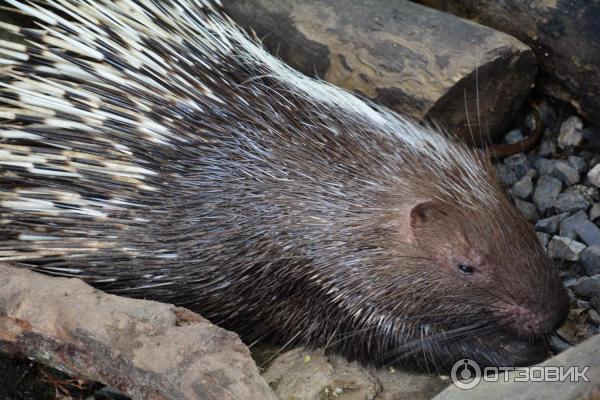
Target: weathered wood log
(421,62)
(146,349)
(577,384)
(565,36)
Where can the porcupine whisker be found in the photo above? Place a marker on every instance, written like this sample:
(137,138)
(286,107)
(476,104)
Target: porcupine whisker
(346,335)
(482,135)
(508,294)
(410,348)
(467,116)
(329,340)
(280,350)
(502,299)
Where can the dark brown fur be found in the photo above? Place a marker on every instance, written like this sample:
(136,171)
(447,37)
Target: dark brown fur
(273,208)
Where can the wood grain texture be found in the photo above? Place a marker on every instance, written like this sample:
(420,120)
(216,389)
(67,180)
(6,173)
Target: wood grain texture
(420,62)
(564,34)
(148,350)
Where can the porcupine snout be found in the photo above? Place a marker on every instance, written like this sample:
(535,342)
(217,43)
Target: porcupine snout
(542,319)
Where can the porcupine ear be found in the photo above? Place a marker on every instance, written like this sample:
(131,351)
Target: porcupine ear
(426,213)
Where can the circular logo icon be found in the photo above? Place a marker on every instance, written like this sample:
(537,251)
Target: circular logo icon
(465,374)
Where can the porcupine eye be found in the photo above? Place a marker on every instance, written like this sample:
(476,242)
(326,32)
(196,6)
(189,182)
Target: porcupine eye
(466,269)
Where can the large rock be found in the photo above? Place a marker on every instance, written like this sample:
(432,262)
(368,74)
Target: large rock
(302,374)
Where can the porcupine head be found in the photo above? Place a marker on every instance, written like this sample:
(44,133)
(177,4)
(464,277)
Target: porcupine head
(155,150)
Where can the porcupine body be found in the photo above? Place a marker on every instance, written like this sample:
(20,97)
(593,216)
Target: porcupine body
(155,150)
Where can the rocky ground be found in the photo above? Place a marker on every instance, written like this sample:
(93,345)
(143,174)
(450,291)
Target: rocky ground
(556,186)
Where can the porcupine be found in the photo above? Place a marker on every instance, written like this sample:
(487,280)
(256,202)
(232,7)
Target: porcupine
(155,150)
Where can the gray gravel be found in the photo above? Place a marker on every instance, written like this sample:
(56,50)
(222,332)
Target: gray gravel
(506,176)
(587,286)
(578,163)
(590,259)
(570,202)
(544,166)
(546,192)
(519,164)
(564,248)
(556,186)
(550,225)
(523,188)
(595,212)
(594,176)
(513,136)
(565,172)
(569,224)
(589,233)
(571,133)
(528,210)
(544,238)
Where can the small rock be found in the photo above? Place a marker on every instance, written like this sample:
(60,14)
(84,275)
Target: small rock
(583,304)
(523,188)
(569,224)
(594,317)
(532,173)
(558,345)
(547,148)
(530,122)
(288,375)
(570,202)
(546,192)
(589,193)
(528,210)
(595,212)
(547,113)
(550,225)
(588,286)
(595,302)
(564,248)
(589,233)
(519,164)
(506,176)
(333,377)
(590,259)
(565,172)
(544,166)
(595,160)
(513,136)
(571,133)
(401,384)
(544,238)
(594,175)
(569,283)
(578,163)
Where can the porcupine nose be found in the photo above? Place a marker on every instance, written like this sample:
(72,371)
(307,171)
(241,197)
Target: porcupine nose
(541,323)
